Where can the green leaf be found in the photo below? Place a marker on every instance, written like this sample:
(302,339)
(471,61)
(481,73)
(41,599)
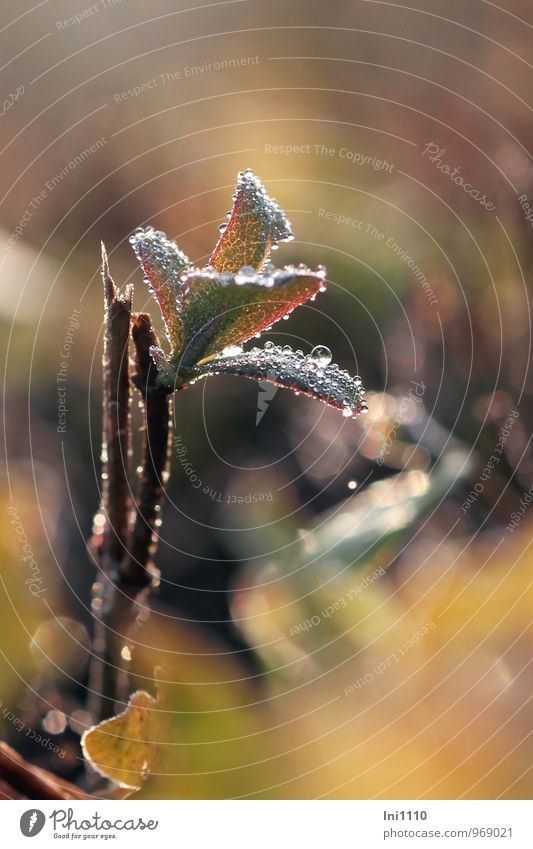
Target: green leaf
(256,224)
(387,508)
(216,737)
(162,262)
(332,577)
(121,748)
(224,310)
(305,375)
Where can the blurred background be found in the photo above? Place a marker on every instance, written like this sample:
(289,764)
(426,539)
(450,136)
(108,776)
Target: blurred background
(345,605)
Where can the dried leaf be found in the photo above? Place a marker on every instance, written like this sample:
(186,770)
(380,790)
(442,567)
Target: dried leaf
(256,224)
(224,310)
(216,739)
(305,375)
(120,748)
(162,262)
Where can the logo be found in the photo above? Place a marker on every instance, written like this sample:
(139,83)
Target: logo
(266,393)
(32,822)
(267,390)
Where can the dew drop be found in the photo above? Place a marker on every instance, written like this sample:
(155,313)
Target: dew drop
(232,351)
(269,346)
(321,355)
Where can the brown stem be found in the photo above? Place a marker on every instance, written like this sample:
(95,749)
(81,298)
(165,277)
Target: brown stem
(116,500)
(32,782)
(139,575)
(128,586)
(143,542)
(125,549)
(110,544)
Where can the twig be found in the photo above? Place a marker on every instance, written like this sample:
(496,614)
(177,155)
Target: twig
(110,546)
(31,781)
(116,500)
(126,548)
(138,574)
(139,566)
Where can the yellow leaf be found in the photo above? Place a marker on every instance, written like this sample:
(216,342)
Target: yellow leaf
(120,748)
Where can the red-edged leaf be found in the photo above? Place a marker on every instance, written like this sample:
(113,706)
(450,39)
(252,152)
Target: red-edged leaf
(256,224)
(310,375)
(162,262)
(224,310)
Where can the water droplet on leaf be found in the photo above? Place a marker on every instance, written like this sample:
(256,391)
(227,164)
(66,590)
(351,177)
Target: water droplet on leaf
(321,355)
